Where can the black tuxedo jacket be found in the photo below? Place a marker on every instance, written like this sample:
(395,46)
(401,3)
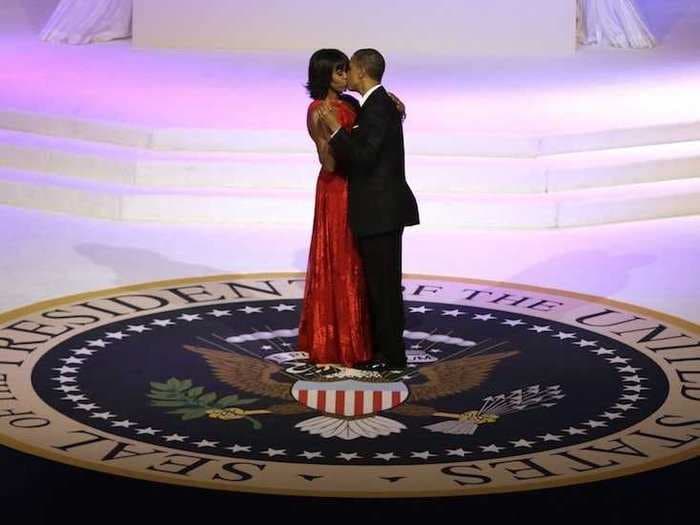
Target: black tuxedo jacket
(372,157)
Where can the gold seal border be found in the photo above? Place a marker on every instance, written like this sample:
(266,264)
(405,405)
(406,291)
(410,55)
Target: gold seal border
(691,453)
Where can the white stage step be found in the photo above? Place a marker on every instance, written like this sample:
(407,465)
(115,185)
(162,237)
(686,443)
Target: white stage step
(478,144)
(438,210)
(99,162)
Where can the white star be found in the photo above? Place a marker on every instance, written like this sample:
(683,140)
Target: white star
(87,406)
(348,456)
(150,431)
(624,406)
(604,351)
(67,389)
(550,437)
(416,347)
(102,415)
(238,448)
(66,370)
(523,443)
(594,424)
(422,455)
(77,398)
(175,437)
(190,317)
(612,415)
(205,443)
(64,379)
(163,322)
(635,388)
(573,431)
(138,328)
(124,424)
(275,452)
(513,322)
(251,310)
(83,351)
(116,335)
(635,397)
(387,456)
(565,335)
(492,448)
(607,350)
(583,343)
(457,452)
(484,317)
(311,455)
(628,370)
(284,307)
(540,329)
(618,359)
(266,347)
(453,313)
(436,351)
(220,313)
(419,309)
(99,343)
(634,379)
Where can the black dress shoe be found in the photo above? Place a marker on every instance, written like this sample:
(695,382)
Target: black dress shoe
(372,366)
(394,372)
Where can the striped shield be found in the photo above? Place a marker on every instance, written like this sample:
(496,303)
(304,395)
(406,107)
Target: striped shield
(349,398)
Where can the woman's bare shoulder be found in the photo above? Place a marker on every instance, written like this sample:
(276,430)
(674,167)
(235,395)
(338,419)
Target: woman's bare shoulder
(313,106)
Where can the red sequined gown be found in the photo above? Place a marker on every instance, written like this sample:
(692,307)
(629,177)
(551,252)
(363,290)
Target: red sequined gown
(334,326)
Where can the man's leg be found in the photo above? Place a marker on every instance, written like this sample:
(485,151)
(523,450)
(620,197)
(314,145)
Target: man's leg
(381,257)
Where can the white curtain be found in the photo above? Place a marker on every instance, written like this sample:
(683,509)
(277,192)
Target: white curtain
(86,21)
(615,23)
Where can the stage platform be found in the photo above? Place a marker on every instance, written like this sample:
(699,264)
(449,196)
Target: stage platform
(202,165)
(445,28)
(128,134)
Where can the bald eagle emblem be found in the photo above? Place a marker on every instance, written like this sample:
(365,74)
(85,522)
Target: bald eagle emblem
(349,403)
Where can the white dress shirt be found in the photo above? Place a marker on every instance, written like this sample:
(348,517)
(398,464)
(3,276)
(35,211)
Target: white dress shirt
(368,93)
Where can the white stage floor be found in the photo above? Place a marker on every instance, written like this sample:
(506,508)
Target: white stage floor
(649,263)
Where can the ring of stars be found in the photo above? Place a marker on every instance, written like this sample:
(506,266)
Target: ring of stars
(633,386)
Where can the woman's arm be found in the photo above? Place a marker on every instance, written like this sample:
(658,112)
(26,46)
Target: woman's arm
(320,134)
(399,105)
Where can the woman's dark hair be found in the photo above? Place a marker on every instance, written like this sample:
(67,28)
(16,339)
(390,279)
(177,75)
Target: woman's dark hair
(321,67)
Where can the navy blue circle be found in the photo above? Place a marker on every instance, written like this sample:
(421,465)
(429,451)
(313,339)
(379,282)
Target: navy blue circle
(118,379)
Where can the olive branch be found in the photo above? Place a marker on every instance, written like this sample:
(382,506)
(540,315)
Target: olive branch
(191,402)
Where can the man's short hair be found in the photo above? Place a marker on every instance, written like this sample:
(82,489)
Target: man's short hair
(371,61)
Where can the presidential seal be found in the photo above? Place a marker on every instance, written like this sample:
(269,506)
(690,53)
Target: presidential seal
(200,382)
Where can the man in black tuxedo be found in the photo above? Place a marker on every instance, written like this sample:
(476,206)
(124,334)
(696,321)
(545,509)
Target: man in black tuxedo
(380,203)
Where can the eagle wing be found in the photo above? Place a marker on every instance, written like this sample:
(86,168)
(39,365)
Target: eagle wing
(456,375)
(245,373)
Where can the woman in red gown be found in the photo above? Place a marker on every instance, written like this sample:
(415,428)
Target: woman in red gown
(334,326)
